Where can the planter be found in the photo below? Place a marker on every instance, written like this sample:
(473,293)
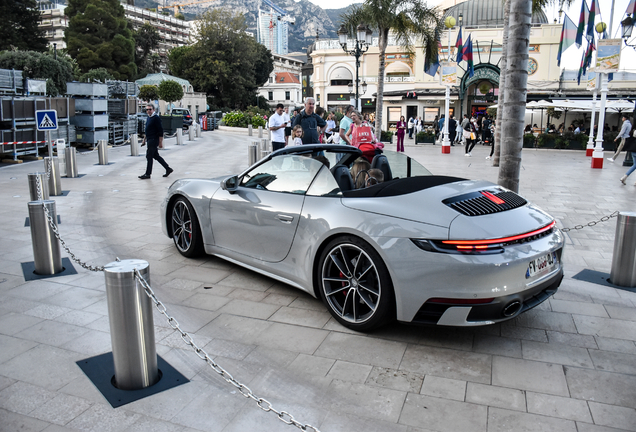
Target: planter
(427,140)
(171,123)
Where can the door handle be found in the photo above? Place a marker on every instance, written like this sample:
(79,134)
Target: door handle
(285,218)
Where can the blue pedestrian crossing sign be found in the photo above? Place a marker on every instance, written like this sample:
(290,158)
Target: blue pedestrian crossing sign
(46,120)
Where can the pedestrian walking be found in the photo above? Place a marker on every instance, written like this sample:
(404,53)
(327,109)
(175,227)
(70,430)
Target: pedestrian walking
(630,146)
(345,123)
(277,126)
(411,125)
(313,125)
(622,135)
(288,128)
(401,131)
(154,138)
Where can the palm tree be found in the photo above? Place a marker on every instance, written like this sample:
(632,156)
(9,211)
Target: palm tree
(405,19)
(537,5)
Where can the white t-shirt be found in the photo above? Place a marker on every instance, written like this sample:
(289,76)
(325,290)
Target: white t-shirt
(286,116)
(276,120)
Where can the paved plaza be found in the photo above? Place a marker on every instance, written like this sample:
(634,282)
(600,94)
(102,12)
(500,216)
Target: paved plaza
(569,365)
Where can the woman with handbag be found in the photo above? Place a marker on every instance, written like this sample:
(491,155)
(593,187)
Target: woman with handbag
(361,135)
(470,133)
(401,131)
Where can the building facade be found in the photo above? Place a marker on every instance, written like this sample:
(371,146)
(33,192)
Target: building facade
(53,22)
(174,32)
(272,28)
(408,91)
(284,84)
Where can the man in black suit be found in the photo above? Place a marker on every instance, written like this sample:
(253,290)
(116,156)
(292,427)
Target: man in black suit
(154,137)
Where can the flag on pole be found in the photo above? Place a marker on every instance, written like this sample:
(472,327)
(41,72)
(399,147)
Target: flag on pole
(459,45)
(431,65)
(568,34)
(594,10)
(585,12)
(631,7)
(586,61)
(467,54)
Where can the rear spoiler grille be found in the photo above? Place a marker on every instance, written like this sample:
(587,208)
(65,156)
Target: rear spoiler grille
(485,202)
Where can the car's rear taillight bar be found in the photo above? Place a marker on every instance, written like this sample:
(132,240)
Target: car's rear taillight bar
(482,246)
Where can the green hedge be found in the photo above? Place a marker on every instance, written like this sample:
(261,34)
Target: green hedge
(386,136)
(243,119)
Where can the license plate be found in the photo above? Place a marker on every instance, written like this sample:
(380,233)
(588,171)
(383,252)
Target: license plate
(541,265)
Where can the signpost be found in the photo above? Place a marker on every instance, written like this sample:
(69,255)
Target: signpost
(46,120)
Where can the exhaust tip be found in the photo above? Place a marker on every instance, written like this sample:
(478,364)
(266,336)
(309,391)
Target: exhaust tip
(512,308)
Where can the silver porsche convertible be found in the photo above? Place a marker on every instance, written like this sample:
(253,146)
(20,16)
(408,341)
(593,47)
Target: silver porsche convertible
(415,247)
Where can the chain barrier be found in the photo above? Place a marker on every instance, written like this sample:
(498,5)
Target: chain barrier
(165,135)
(590,224)
(53,226)
(88,152)
(263,404)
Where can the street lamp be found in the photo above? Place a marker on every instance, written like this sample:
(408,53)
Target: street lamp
(627,26)
(449,22)
(362,43)
(601,80)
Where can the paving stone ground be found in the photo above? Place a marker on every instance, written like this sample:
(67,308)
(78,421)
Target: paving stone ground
(568,365)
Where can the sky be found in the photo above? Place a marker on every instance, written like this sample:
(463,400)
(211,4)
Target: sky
(573,55)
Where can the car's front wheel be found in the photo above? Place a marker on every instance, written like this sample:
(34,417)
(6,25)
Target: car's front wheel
(355,284)
(185,229)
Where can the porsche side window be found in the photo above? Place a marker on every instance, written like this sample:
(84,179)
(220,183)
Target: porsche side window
(324,184)
(285,173)
(404,166)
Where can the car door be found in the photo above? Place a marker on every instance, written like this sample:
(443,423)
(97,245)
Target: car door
(260,217)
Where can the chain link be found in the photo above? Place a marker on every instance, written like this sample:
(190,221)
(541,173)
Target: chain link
(53,226)
(263,404)
(590,224)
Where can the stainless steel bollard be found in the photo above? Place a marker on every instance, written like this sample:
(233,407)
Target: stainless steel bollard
(131,325)
(134,145)
(265,153)
(52,166)
(33,186)
(252,153)
(197,130)
(102,151)
(264,146)
(71,162)
(260,131)
(191,133)
(250,130)
(623,271)
(60,145)
(179,136)
(46,249)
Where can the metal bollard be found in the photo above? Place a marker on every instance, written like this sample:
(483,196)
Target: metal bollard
(197,130)
(191,133)
(71,162)
(134,145)
(60,144)
(33,186)
(131,325)
(46,249)
(264,146)
(179,136)
(252,153)
(265,153)
(249,130)
(102,150)
(260,131)
(623,271)
(52,166)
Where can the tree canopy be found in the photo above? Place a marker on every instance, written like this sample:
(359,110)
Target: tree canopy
(19,27)
(35,65)
(170,91)
(148,93)
(147,38)
(98,36)
(226,62)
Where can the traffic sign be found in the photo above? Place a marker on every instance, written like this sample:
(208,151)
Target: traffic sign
(46,120)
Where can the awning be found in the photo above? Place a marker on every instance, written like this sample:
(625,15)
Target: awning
(398,67)
(341,73)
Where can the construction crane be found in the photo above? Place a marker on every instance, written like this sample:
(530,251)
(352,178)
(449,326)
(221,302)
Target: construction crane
(177,6)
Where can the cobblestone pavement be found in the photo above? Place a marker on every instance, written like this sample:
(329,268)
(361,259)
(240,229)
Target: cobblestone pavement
(568,365)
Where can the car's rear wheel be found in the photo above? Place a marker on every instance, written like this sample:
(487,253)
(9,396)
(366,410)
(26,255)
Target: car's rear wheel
(355,284)
(186,232)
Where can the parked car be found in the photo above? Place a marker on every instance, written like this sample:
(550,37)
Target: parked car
(187,117)
(418,247)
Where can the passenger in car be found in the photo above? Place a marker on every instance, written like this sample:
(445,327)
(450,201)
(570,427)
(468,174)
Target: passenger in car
(358,169)
(374,176)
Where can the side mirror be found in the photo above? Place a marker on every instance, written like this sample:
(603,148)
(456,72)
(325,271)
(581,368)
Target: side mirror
(230,184)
